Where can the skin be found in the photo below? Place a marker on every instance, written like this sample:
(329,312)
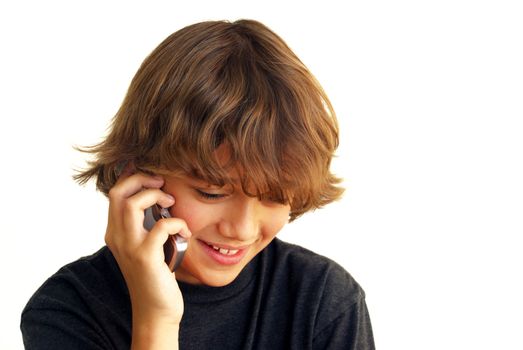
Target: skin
(222,216)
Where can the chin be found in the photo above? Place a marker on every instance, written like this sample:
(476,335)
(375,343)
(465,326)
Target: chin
(218,279)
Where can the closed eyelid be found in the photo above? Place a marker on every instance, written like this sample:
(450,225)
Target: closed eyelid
(212,196)
(204,186)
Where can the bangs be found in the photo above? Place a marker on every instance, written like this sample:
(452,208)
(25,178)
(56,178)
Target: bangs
(278,130)
(251,141)
(234,86)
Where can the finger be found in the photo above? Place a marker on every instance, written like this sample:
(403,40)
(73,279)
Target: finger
(128,230)
(130,185)
(134,207)
(146,198)
(162,230)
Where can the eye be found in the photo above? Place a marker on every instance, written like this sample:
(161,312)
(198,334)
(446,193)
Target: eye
(211,196)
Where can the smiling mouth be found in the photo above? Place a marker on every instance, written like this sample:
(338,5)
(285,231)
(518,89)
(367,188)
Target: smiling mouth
(223,250)
(224,254)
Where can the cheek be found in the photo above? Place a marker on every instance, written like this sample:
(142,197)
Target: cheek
(276,222)
(196,216)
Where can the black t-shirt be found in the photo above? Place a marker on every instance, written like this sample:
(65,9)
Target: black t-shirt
(286,298)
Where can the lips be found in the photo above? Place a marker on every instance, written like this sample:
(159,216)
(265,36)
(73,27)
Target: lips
(224,251)
(224,254)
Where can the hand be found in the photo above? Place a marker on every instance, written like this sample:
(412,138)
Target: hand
(155,296)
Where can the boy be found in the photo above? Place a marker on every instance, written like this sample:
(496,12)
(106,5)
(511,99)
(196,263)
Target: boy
(223,125)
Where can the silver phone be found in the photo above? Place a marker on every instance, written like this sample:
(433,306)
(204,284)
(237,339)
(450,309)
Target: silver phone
(175,247)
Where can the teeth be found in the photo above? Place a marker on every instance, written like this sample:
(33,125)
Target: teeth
(225,251)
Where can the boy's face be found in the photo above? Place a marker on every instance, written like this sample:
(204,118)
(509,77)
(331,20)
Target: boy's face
(228,228)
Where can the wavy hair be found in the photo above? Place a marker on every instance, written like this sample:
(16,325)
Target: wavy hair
(237,84)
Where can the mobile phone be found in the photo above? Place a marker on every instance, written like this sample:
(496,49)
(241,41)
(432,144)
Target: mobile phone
(175,247)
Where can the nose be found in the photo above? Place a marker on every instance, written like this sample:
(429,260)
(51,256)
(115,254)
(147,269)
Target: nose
(242,222)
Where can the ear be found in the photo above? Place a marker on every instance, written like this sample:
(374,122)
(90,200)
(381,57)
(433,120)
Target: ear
(125,168)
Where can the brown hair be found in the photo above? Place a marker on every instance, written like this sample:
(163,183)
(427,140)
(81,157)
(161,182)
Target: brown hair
(237,84)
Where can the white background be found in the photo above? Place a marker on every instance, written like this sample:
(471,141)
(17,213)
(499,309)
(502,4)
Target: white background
(429,95)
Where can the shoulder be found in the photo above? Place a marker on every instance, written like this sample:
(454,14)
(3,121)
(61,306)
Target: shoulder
(305,264)
(326,303)
(326,281)
(83,305)
(94,277)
